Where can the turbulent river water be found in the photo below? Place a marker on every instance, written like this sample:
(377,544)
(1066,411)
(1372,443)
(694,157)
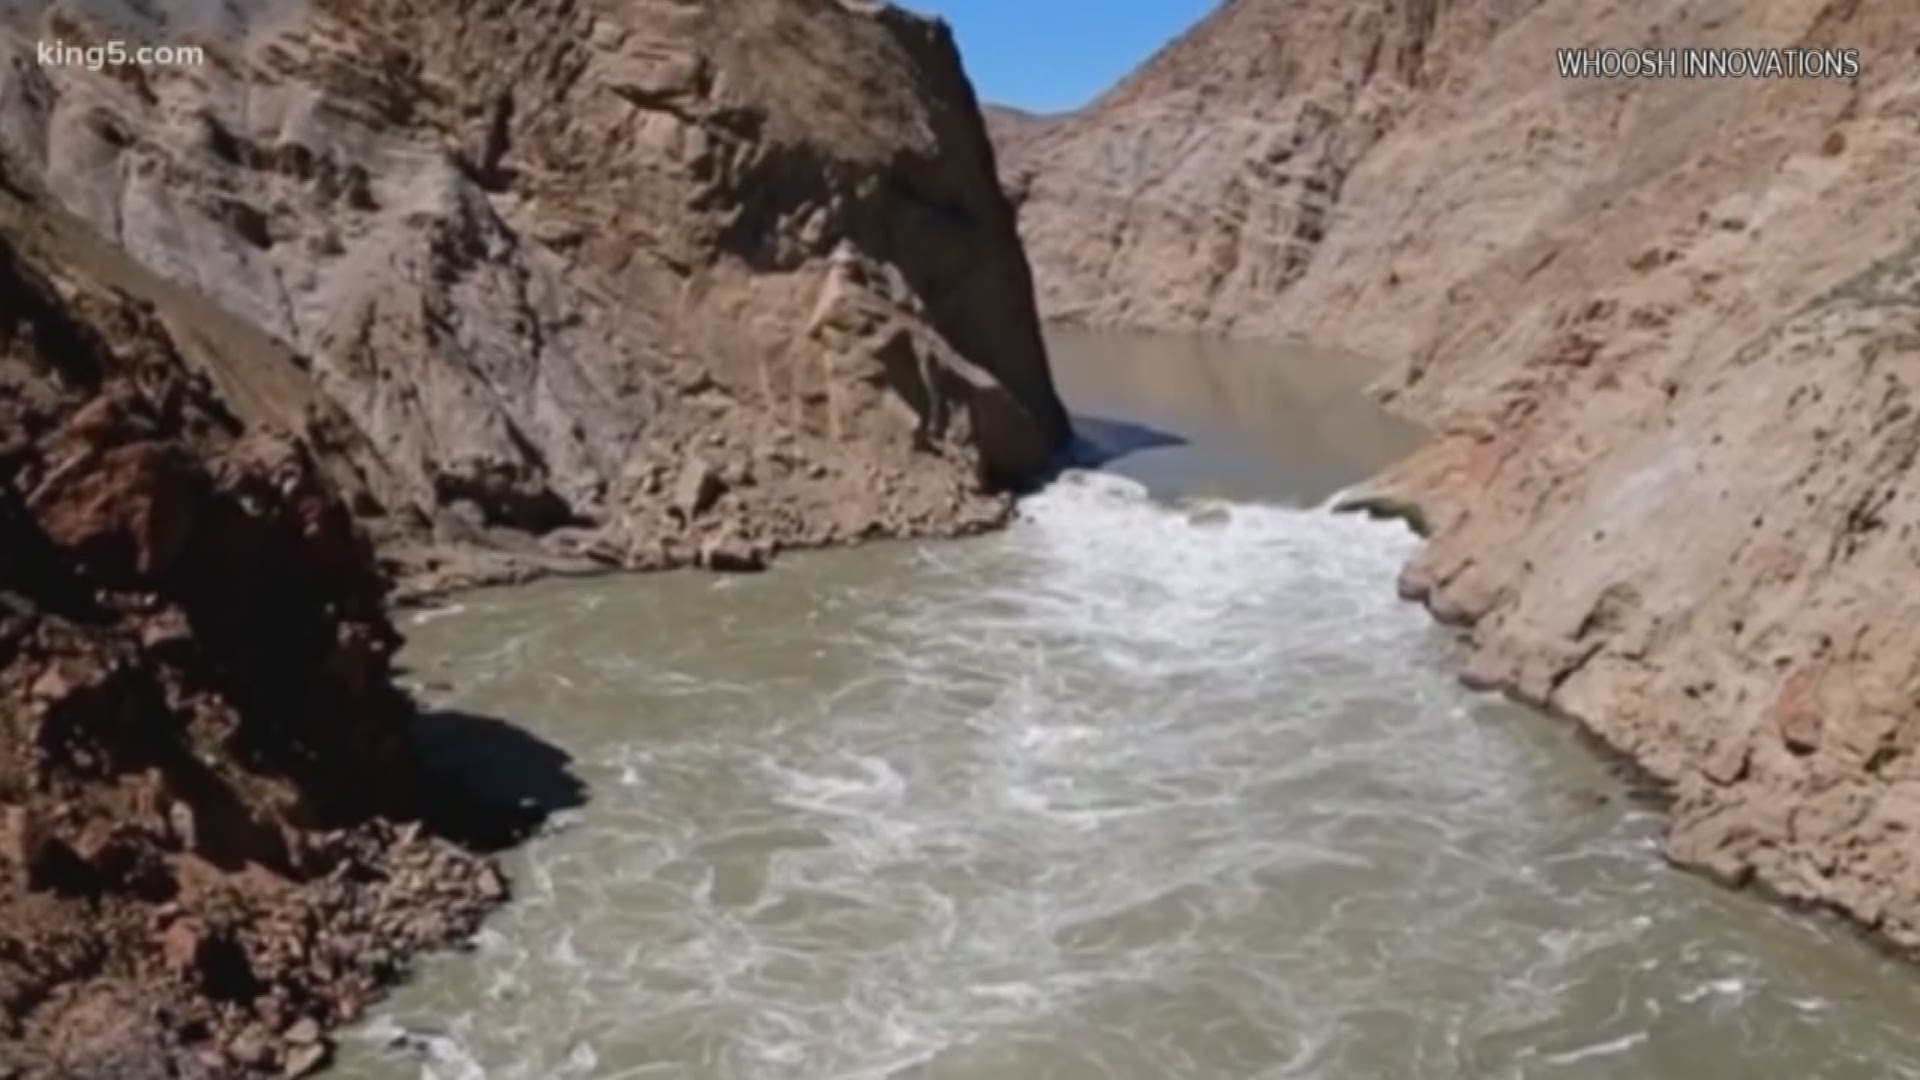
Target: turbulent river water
(1162,782)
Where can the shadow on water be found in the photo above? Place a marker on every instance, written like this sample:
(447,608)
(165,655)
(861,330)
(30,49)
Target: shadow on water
(1102,440)
(507,781)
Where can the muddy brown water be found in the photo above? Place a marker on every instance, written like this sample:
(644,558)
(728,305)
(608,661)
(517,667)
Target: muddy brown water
(1162,782)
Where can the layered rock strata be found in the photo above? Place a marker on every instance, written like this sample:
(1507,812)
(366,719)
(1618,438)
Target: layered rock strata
(1664,331)
(216,835)
(550,267)
(448,292)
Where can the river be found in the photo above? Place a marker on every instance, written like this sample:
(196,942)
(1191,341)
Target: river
(1162,782)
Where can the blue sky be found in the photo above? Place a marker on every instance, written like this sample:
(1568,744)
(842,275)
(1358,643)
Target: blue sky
(1052,55)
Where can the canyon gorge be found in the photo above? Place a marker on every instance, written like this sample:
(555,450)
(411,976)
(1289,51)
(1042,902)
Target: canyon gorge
(429,294)
(385,300)
(1664,333)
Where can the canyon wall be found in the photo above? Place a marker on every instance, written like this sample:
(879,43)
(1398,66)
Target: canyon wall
(1192,195)
(436,292)
(211,810)
(1666,332)
(579,283)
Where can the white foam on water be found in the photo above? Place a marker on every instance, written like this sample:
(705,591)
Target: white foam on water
(440,1055)
(429,615)
(1129,791)
(1730,987)
(1600,1049)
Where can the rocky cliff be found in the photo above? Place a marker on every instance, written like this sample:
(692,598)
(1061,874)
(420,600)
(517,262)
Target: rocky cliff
(1665,331)
(204,765)
(471,290)
(579,281)
(1195,192)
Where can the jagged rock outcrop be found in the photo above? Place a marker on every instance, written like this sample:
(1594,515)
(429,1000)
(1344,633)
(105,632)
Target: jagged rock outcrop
(211,807)
(503,287)
(536,256)
(1720,589)
(1664,331)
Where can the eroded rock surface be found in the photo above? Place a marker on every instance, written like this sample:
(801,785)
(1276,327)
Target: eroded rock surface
(474,290)
(211,810)
(1193,194)
(1666,333)
(534,257)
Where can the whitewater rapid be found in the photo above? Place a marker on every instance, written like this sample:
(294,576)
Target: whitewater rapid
(1134,789)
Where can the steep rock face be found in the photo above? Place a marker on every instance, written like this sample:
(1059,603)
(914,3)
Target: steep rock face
(1671,487)
(543,259)
(202,753)
(1665,332)
(1196,191)
(1721,589)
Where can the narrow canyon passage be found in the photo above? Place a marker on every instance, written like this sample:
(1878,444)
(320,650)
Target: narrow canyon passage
(1162,782)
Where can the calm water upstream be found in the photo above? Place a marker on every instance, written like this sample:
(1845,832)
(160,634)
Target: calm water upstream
(1163,782)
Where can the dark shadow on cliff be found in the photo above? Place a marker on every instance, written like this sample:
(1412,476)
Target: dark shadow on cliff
(1101,440)
(499,783)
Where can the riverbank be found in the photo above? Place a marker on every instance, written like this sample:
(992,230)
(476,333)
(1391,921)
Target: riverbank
(1664,330)
(217,839)
(1151,783)
(1275,421)
(441,294)
(223,831)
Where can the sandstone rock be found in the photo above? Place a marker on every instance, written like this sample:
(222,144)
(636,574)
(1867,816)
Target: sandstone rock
(305,1060)
(698,488)
(1199,189)
(731,553)
(251,1047)
(490,885)
(130,516)
(552,244)
(183,947)
(304,1032)
(196,657)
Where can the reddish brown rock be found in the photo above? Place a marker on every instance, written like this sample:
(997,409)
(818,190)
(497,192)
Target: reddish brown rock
(131,510)
(21,840)
(201,747)
(182,947)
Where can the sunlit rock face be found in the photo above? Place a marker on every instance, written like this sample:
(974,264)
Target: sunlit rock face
(540,260)
(1665,329)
